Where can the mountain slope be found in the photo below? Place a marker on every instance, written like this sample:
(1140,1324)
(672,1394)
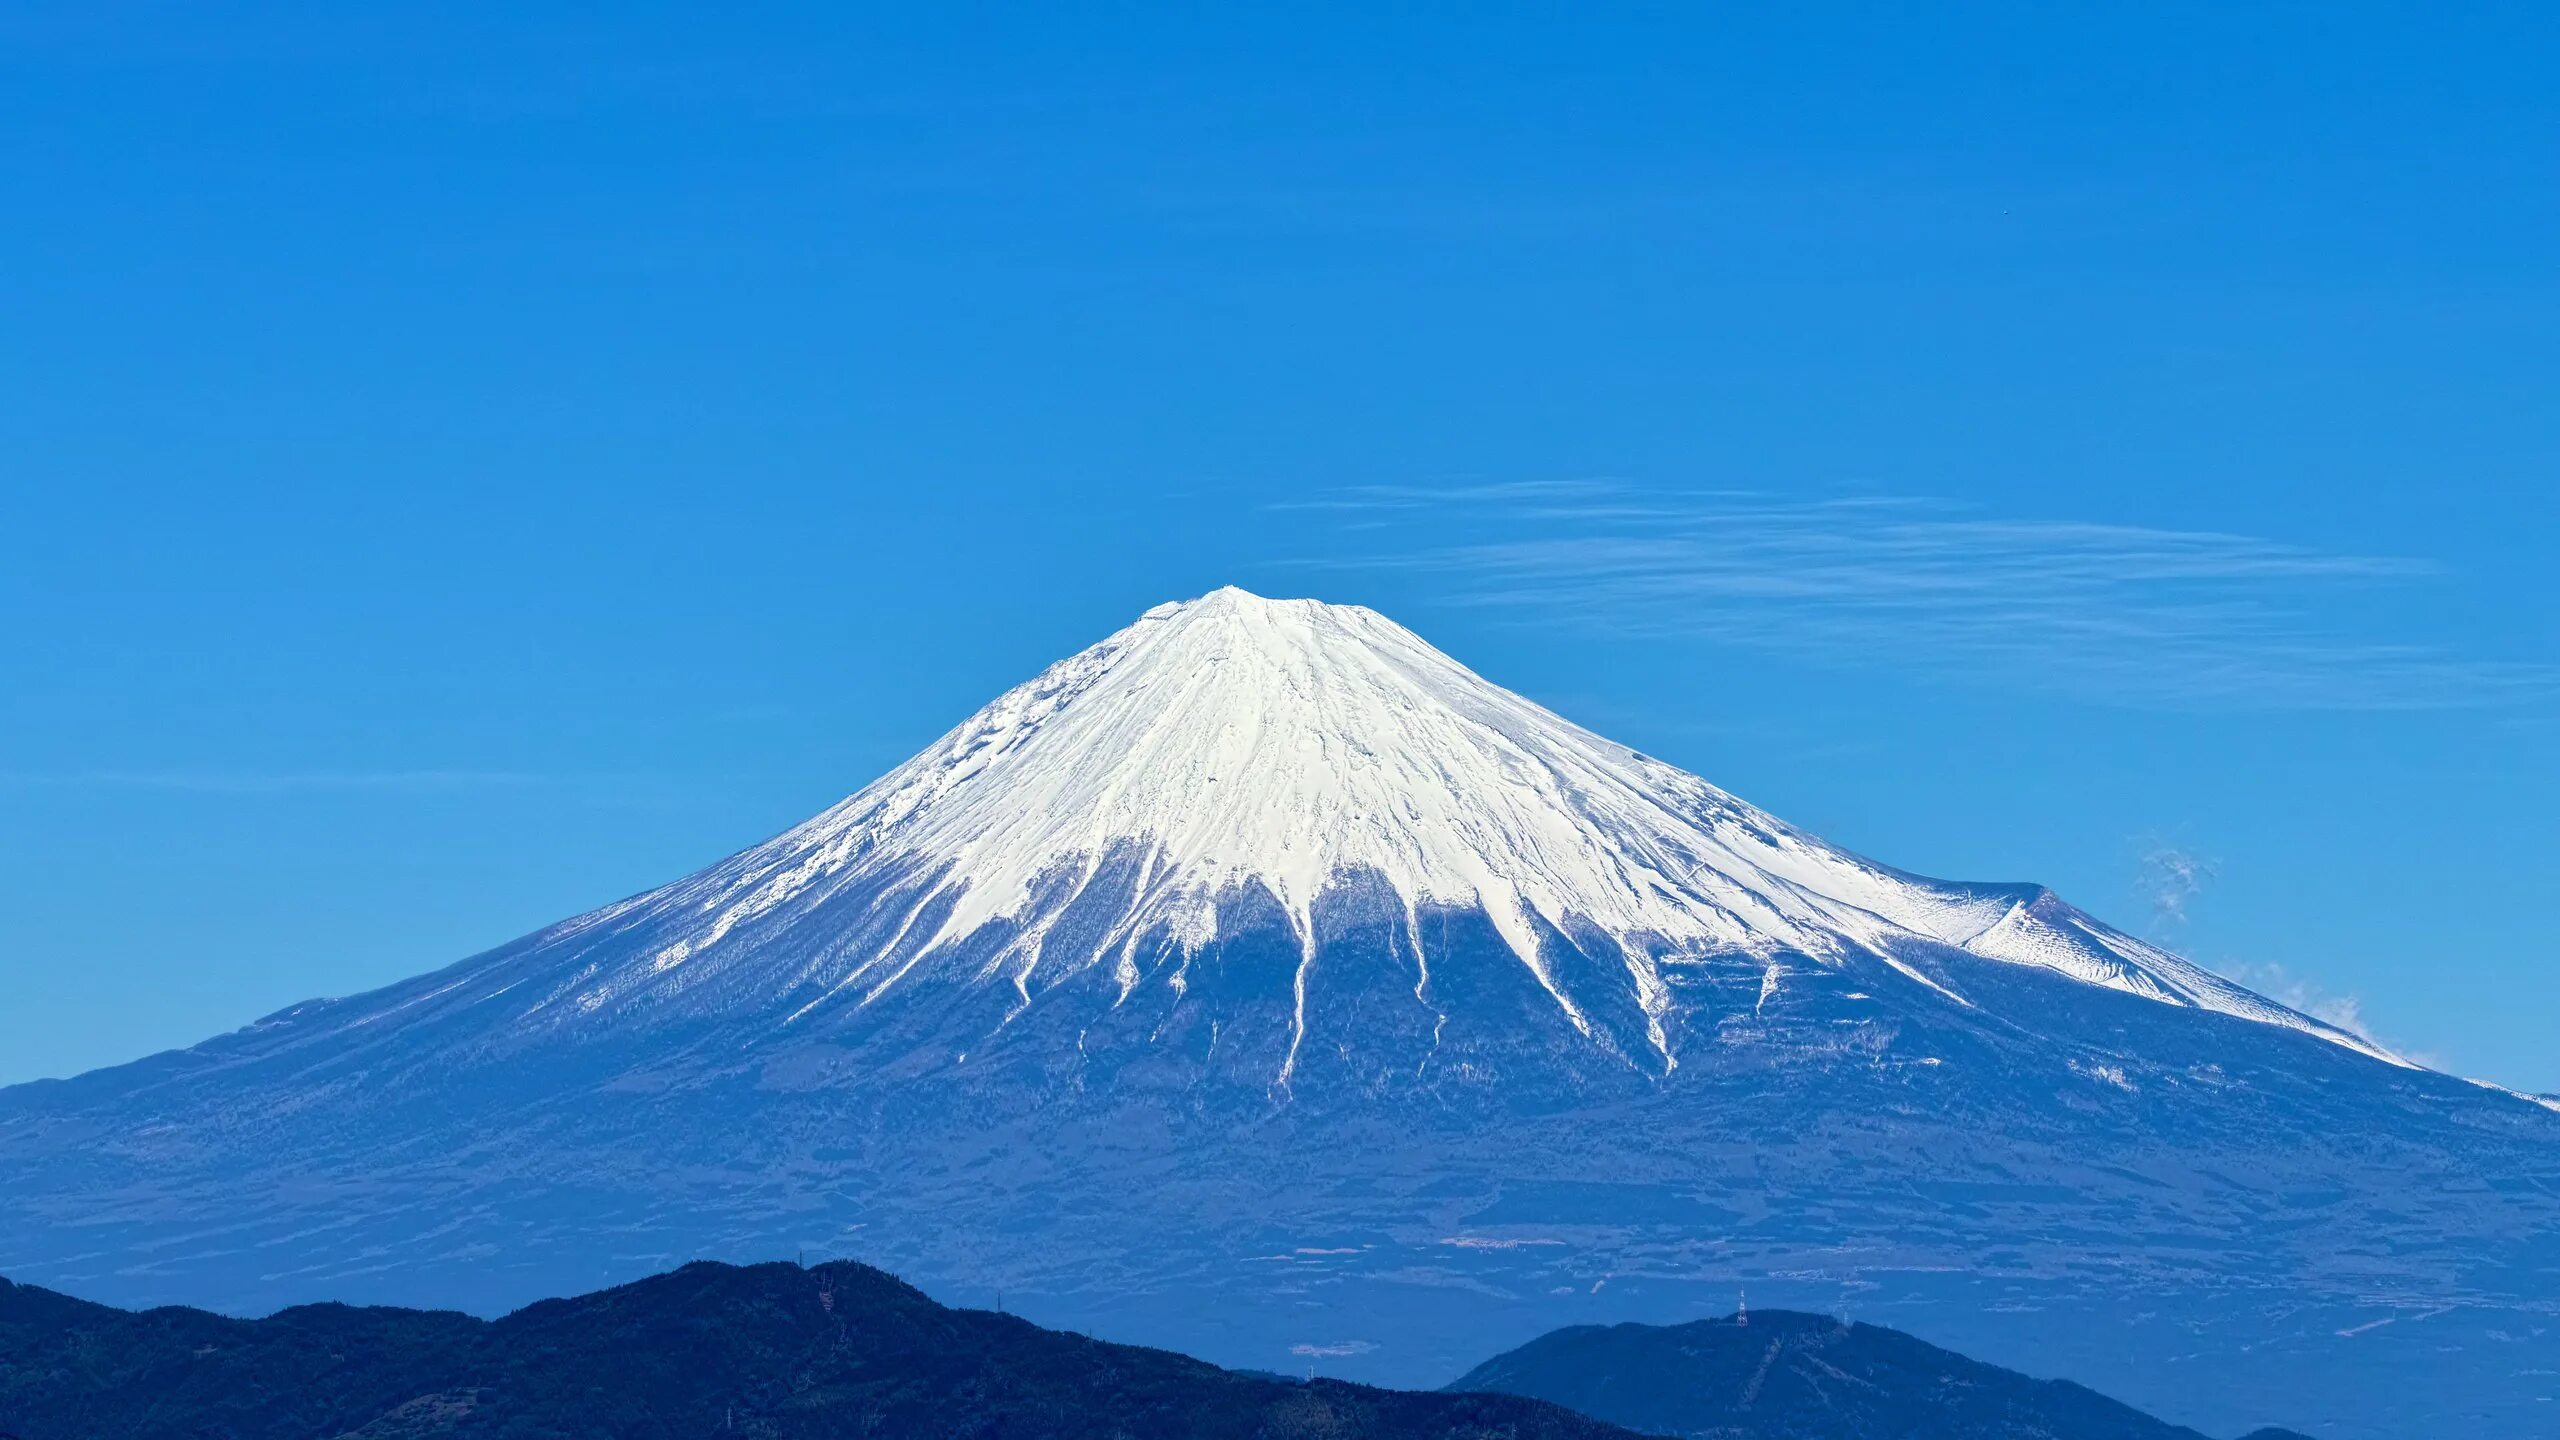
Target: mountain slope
(772,1350)
(1780,1375)
(1262,959)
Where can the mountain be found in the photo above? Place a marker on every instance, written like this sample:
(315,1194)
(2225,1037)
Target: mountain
(1782,1375)
(771,1351)
(1262,983)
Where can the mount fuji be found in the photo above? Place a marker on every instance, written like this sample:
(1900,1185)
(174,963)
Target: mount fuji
(1263,983)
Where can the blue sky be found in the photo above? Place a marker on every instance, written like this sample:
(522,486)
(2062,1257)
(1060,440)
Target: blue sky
(460,468)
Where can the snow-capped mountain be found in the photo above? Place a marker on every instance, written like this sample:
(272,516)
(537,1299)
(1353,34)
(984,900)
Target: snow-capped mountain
(1236,752)
(1262,978)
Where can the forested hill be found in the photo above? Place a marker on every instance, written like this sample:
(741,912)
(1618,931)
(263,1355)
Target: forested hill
(772,1351)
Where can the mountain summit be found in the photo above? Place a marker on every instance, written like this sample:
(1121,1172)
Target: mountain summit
(1264,983)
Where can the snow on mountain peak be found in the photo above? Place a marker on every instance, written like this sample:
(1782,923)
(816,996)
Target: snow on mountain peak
(1233,741)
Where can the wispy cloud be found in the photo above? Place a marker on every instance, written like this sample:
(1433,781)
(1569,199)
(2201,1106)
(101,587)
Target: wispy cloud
(2311,998)
(244,782)
(1334,1350)
(2171,879)
(2112,613)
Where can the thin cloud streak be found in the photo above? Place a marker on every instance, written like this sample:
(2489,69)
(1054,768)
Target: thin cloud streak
(272,783)
(2115,614)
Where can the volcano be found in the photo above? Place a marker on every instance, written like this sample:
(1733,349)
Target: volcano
(1263,983)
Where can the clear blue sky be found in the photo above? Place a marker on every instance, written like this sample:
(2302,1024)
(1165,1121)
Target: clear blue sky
(463,466)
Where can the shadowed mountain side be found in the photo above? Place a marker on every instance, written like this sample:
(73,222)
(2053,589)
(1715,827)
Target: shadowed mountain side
(766,1350)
